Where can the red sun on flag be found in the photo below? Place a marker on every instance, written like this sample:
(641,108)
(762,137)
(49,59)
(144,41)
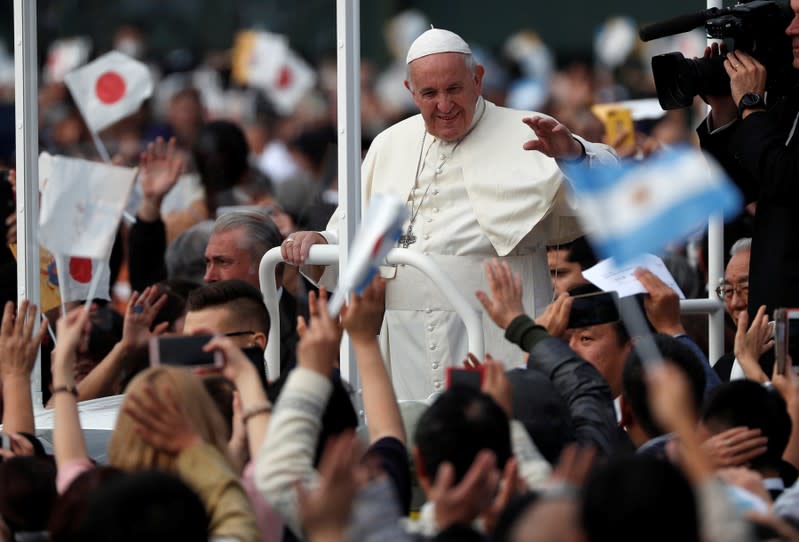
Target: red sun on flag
(80,269)
(110,87)
(285,77)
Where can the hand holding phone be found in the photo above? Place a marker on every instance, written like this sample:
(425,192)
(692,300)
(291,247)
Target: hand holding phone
(786,337)
(184,351)
(470,377)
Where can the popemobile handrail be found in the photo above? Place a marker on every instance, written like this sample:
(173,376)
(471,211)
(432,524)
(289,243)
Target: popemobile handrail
(328,255)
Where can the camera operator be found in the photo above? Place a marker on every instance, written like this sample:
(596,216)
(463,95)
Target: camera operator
(753,136)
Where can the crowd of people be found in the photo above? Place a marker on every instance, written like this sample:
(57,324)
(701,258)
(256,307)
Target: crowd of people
(564,431)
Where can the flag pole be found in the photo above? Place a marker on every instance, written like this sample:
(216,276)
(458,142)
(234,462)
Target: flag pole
(101,150)
(98,267)
(59,261)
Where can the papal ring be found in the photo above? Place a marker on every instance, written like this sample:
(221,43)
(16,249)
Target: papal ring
(290,240)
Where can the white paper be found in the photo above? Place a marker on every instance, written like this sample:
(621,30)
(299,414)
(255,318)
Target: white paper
(606,276)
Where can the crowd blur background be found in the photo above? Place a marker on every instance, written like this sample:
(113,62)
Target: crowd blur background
(537,57)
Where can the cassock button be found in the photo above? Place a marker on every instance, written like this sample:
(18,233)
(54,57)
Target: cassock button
(438,171)
(435,191)
(426,237)
(437,385)
(428,310)
(428,220)
(432,347)
(435,210)
(435,365)
(431,327)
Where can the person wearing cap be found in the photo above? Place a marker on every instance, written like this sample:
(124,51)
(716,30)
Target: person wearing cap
(480,181)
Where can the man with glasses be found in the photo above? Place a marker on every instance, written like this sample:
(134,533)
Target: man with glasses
(233,308)
(734,292)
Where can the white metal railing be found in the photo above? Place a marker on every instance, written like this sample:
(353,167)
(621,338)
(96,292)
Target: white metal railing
(714,308)
(328,255)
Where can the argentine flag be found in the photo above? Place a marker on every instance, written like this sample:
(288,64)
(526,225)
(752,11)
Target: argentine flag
(640,207)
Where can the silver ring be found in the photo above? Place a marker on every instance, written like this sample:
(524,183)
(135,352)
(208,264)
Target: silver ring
(290,240)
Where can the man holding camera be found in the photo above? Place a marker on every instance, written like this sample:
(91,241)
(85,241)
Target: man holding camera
(753,136)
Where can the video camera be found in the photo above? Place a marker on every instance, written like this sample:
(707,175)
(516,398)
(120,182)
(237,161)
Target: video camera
(756,27)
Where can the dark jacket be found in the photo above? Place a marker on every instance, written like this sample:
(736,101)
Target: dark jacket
(579,383)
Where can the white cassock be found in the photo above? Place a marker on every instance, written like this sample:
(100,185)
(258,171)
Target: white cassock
(480,198)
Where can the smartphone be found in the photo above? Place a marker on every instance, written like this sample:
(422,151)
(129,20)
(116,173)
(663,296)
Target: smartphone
(616,119)
(183,351)
(786,337)
(5,441)
(593,309)
(471,377)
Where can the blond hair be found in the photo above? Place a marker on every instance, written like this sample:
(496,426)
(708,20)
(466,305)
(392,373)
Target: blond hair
(128,451)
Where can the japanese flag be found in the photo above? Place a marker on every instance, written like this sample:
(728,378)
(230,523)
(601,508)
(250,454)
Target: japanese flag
(81,205)
(109,89)
(264,60)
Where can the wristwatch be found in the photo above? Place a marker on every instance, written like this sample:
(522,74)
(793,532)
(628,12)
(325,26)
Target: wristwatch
(750,100)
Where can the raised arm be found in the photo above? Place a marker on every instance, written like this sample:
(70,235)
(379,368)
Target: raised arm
(139,316)
(362,319)
(68,440)
(160,166)
(18,349)
(287,453)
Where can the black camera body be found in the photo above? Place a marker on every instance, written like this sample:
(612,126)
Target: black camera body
(756,27)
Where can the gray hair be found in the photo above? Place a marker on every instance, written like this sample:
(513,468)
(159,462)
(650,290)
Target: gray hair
(469,60)
(744,243)
(260,230)
(185,256)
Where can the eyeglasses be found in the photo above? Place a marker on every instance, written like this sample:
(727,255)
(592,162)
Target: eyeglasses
(239,333)
(726,291)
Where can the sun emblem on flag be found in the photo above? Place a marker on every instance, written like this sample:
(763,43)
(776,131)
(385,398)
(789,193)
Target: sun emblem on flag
(640,196)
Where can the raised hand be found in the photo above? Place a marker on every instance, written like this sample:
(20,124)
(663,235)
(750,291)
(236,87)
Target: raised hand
(160,166)
(363,316)
(72,330)
(472,496)
(662,305)
(139,316)
(751,343)
(496,384)
(18,344)
(318,346)
(554,139)
(556,316)
(505,302)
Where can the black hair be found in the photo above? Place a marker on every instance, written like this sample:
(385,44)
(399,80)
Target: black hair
(176,290)
(243,299)
(634,386)
(639,497)
(579,251)
(457,426)
(748,404)
(147,505)
(70,508)
(27,492)
(220,153)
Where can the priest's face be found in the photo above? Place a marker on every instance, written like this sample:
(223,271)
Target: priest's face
(445,89)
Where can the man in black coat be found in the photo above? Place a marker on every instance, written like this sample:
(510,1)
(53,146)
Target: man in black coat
(754,137)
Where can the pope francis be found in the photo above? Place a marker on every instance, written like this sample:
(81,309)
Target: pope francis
(480,182)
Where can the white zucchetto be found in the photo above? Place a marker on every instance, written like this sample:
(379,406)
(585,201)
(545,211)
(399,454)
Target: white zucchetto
(434,41)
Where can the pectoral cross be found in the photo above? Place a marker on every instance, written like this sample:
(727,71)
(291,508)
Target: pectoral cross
(408,238)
